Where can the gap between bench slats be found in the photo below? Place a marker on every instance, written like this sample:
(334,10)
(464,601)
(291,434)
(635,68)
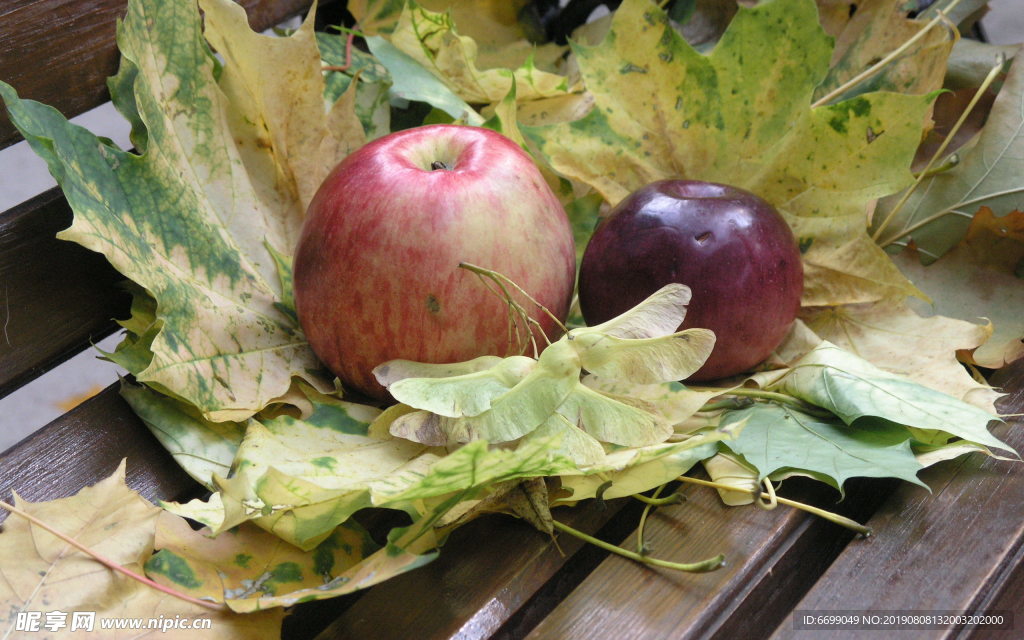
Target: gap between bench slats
(487,570)
(61,51)
(84,446)
(768,556)
(958,549)
(56,296)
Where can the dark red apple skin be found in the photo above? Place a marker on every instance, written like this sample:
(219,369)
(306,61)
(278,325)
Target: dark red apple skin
(733,249)
(376,272)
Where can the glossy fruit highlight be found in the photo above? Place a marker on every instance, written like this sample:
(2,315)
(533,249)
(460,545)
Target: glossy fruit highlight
(733,250)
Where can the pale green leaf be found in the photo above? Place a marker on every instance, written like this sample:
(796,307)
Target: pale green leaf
(777,438)
(442,389)
(743,116)
(673,400)
(413,82)
(201,447)
(660,314)
(513,408)
(251,570)
(856,390)
(624,472)
(616,420)
(647,360)
(568,440)
(420,426)
(432,40)
(989,173)
(727,469)
(301,478)
(223,175)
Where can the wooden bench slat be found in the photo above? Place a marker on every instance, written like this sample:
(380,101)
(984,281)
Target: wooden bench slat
(768,556)
(61,51)
(84,446)
(486,572)
(57,296)
(958,549)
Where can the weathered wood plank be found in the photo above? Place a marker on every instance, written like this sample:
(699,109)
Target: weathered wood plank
(770,556)
(57,296)
(84,446)
(61,51)
(486,572)
(957,549)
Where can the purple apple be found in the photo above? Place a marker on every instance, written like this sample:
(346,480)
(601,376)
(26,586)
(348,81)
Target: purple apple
(377,272)
(733,249)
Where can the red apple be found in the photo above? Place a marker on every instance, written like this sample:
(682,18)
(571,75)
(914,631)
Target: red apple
(733,249)
(377,272)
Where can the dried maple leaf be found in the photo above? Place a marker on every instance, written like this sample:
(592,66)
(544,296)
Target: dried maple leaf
(39,572)
(742,115)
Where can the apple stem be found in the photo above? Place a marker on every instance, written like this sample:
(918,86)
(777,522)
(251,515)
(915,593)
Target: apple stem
(842,521)
(501,279)
(989,79)
(110,564)
(878,66)
(437,165)
(695,567)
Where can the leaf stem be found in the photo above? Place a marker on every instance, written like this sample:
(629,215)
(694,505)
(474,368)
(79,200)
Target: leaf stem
(952,161)
(110,564)
(516,313)
(655,501)
(773,500)
(773,396)
(989,79)
(494,275)
(732,403)
(842,521)
(878,66)
(696,567)
(348,56)
(641,543)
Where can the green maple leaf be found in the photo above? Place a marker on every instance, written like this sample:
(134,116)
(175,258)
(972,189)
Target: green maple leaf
(855,390)
(251,570)
(204,216)
(780,439)
(742,115)
(299,478)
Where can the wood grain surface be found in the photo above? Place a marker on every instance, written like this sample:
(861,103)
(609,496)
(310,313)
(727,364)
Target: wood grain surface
(956,549)
(61,52)
(84,446)
(771,557)
(487,571)
(56,296)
